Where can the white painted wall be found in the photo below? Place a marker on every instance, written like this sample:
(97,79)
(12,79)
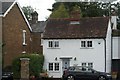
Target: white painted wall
(108,48)
(115,47)
(71,47)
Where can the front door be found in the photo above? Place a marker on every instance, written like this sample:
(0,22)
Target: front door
(65,64)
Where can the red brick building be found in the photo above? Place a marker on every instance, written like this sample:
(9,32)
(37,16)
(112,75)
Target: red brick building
(16,32)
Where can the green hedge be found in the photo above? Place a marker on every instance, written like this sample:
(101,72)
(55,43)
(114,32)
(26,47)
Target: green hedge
(35,66)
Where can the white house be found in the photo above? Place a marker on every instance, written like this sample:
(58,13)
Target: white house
(83,42)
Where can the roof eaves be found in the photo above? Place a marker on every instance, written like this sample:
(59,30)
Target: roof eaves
(24,17)
(21,12)
(78,38)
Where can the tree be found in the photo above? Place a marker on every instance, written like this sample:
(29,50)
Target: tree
(88,9)
(27,11)
(61,12)
(118,16)
(76,12)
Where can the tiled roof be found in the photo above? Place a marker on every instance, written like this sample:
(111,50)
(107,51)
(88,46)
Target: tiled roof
(39,26)
(5,5)
(95,27)
(116,33)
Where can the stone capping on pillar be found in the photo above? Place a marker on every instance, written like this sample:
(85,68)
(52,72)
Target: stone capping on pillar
(25,59)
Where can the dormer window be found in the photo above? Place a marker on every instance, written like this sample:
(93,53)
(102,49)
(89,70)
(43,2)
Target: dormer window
(74,22)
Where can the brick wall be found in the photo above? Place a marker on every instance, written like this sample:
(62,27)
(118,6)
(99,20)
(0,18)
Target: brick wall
(13,26)
(36,42)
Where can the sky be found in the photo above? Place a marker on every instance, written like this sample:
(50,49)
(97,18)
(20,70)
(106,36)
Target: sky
(40,6)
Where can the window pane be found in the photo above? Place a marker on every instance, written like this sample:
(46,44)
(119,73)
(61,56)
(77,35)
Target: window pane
(90,65)
(50,43)
(41,39)
(50,66)
(83,43)
(24,37)
(56,66)
(83,66)
(89,43)
(56,43)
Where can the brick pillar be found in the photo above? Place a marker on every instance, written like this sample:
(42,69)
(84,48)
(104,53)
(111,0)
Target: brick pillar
(24,68)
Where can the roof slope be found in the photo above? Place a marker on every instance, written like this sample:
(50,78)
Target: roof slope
(95,27)
(5,6)
(39,26)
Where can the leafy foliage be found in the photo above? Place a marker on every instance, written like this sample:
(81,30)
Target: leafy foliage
(61,12)
(35,65)
(88,9)
(76,9)
(27,11)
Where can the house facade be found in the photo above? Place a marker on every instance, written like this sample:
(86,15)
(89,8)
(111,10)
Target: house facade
(15,32)
(82,42)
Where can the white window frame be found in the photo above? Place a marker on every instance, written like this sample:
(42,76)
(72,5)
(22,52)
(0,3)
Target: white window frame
(24,37)
(53,44)
(24,52)
(41,39)
(54,67)
(86,44)
(74,22)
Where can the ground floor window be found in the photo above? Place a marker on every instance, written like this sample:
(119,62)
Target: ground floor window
(83,65)
(56,66)
(53,66)
(50,66)
(87,64)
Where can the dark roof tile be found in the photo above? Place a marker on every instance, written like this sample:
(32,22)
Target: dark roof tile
(95,27)
(39,26)
(116,33)
(5,6)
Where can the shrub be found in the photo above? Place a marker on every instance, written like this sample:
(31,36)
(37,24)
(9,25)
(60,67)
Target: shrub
(35,65)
